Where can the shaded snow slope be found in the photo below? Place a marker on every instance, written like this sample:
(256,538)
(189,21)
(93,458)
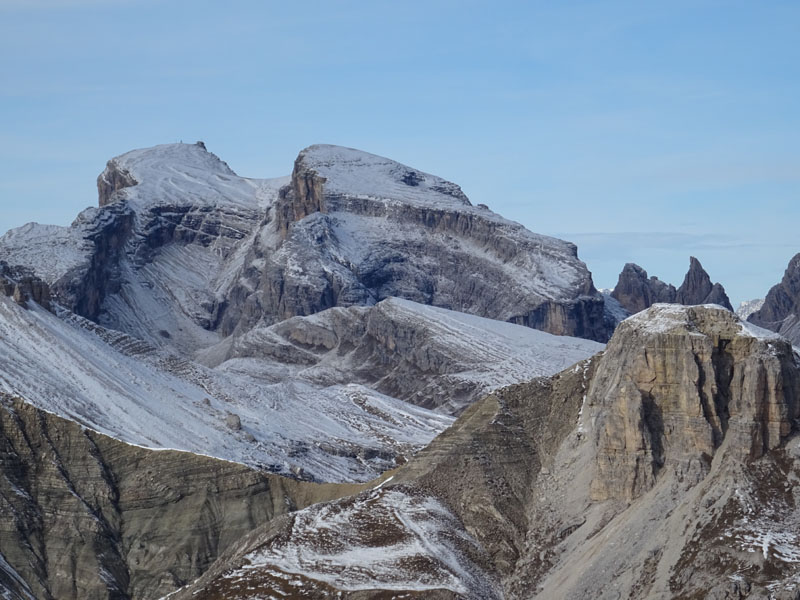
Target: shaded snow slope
(122,387)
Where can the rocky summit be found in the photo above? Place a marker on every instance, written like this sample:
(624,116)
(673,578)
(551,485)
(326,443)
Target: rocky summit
(780,310)
(350,382)
(635,292)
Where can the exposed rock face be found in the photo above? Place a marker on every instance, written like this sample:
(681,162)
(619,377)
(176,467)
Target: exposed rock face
(676,383)
(83,516)
(23,287)
(635,292)
(660,469)
(781,309)
(113,178)
(354,228)
(698,289)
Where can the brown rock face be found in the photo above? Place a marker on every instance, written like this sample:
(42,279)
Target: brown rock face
(112,179)
(86,517)
(676,383)
(301,198)
(22,286)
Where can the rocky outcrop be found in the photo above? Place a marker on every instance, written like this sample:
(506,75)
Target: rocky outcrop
(781,309)
(698,289)
(84,288)
(635,292)
(304,196)
(114,177)
(86,517)
(675,384)
(23,287)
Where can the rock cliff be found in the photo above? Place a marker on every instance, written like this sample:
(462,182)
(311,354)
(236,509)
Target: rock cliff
(353,228)
(86,517)
(635,292)
(675,384)
(661,468)
(781,309)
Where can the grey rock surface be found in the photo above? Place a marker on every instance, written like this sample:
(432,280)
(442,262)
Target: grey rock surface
(781,309)
(635,292)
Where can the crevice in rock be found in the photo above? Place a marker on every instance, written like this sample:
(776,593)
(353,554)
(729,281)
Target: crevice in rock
(654,424)
(709,405)
(723,372)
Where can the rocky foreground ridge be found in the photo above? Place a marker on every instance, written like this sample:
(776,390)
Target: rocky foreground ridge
(665,467)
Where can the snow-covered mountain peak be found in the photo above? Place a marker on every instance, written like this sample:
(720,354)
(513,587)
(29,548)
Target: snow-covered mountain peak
(180,174)
(357,173)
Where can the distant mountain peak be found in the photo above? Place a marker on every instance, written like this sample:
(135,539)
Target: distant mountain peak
(636,292)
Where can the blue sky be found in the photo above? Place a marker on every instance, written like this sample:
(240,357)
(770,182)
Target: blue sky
(643,132)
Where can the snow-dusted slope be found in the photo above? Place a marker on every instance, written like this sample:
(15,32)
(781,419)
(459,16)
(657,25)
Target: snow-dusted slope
(49,250)
(121,387)
(385,540)
(356,173)
(429,356)
(180,174)
(188,258)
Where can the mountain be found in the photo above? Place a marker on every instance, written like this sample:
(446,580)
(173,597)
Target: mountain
(346,383)
(660,468)
(160,333)
(635,292)
(781,309)
(748,307)
(183,252)
(183,360)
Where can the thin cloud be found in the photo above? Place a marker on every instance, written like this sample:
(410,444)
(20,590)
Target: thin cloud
(64,4)
(668,241)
